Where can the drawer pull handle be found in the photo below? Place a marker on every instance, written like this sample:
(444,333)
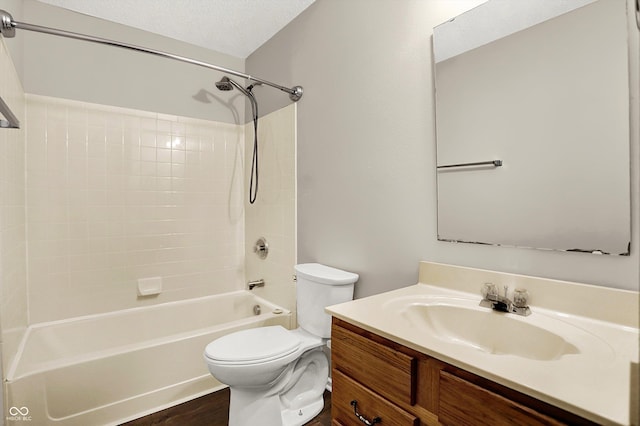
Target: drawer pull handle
(362,418)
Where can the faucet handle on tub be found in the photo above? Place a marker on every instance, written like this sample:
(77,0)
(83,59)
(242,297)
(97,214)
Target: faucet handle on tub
(261,248)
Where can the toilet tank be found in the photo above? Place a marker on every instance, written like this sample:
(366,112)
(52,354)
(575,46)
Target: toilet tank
(319,286)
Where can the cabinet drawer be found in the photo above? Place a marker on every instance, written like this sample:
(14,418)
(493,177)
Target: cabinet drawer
(369,405)
(380,368)
(463,403)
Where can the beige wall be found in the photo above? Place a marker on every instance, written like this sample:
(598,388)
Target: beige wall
(71,69)
(15,45)
(366,148)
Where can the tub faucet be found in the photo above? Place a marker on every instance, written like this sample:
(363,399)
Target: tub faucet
(256,283)
(501,302)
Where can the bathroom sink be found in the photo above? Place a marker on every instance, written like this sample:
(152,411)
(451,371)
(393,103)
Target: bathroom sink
(492,332)
(463,322)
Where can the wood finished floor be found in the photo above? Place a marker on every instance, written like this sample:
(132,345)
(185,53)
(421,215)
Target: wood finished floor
(212,410)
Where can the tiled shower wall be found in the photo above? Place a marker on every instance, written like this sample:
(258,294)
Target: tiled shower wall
(273,216)
(114,195)
(13,280)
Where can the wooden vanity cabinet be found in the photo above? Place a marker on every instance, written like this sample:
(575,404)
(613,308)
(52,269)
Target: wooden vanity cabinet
(375,377)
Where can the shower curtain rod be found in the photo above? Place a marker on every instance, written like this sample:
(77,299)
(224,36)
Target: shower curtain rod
(8,27)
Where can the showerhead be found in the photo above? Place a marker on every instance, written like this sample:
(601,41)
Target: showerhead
(224,84)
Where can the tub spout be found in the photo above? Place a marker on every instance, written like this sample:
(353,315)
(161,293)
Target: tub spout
(256,283)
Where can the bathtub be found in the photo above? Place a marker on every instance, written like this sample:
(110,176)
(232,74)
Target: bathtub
(110,368)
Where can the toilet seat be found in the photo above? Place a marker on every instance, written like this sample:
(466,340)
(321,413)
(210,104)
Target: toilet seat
(253,346)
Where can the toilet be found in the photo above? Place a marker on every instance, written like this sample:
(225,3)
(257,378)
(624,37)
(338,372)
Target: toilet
(277,377)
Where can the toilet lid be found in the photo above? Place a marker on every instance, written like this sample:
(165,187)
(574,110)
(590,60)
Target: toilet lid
(255,344)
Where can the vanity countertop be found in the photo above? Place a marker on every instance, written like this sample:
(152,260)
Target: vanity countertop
(600,384)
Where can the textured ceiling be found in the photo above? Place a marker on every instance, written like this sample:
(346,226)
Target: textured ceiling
(234,27)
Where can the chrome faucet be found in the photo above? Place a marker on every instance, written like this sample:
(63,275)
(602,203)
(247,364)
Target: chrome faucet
(256,283)
(501,302)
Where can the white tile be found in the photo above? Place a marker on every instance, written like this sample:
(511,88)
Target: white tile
(145,195)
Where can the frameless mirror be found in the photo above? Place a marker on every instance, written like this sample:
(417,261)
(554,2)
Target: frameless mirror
(537,92)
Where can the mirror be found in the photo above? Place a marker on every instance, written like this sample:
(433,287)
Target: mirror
(539,91)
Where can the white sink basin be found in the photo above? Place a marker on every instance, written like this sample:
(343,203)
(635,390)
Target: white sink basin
(462,322)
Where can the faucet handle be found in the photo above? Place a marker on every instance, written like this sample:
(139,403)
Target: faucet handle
(520,298)
(489,290)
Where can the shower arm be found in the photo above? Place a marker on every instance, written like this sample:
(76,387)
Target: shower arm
(8,27)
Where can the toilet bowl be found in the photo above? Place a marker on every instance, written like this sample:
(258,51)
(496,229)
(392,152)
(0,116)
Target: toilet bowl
(277,377)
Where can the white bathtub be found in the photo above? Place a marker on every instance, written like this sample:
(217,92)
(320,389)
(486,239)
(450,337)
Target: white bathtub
(109,368)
